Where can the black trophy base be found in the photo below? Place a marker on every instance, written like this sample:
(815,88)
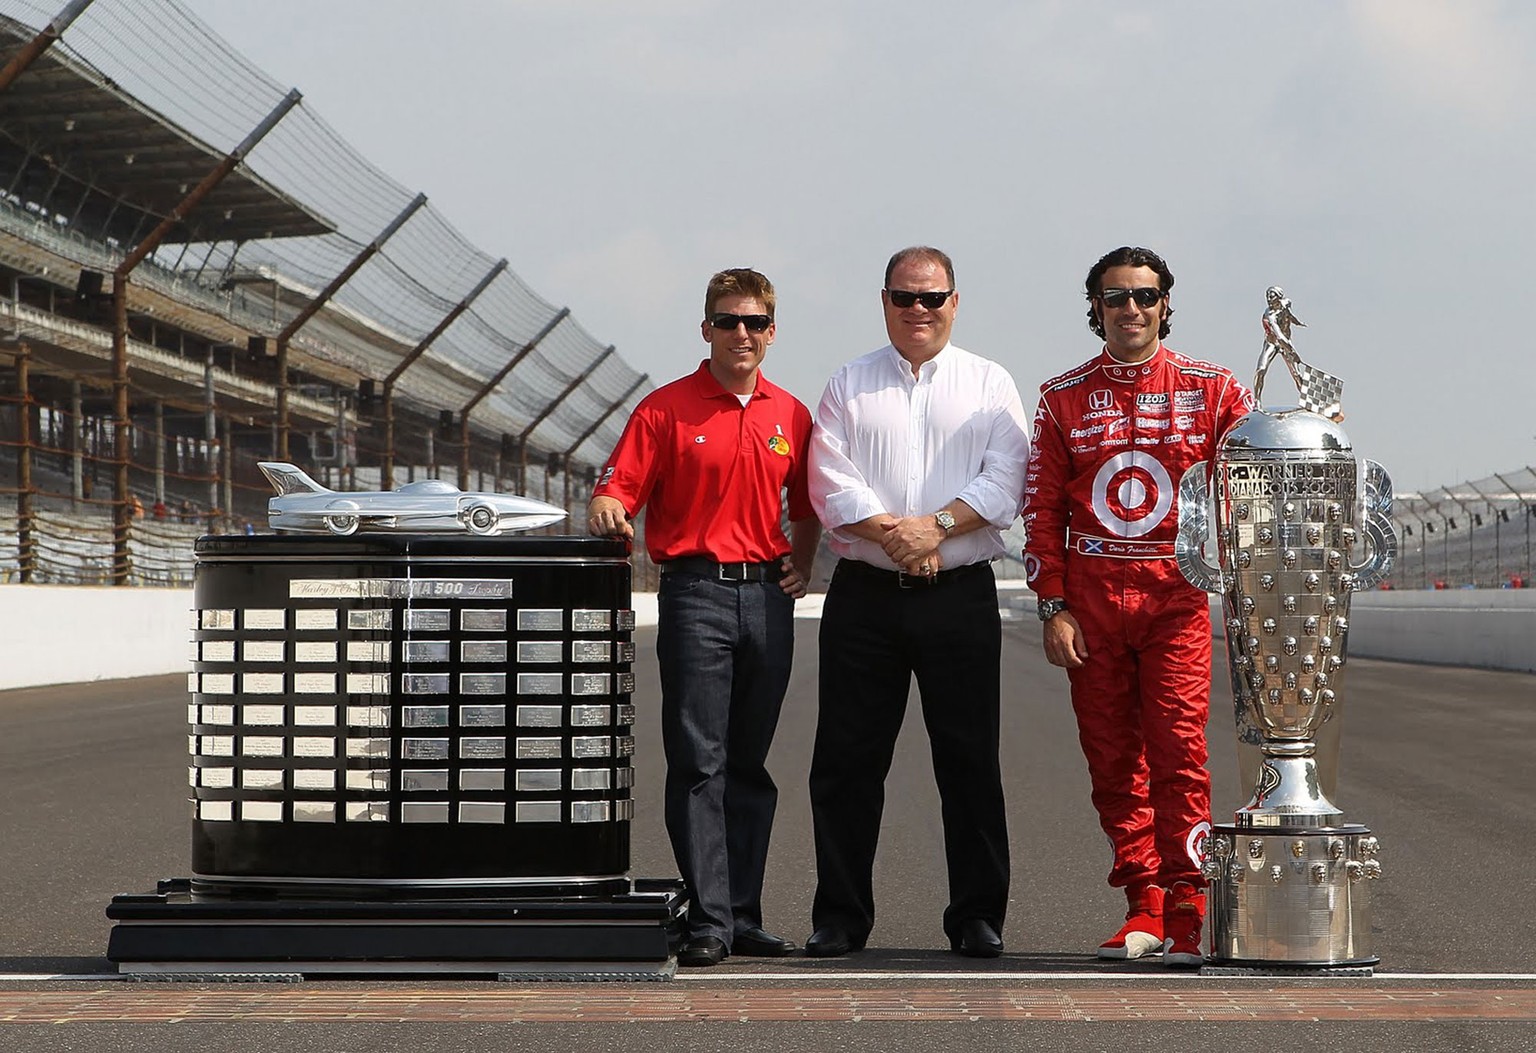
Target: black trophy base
(173,934)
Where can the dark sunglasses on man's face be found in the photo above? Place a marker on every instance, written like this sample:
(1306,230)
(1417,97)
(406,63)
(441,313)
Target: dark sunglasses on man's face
(904,298)
(1145,296)
(755,323)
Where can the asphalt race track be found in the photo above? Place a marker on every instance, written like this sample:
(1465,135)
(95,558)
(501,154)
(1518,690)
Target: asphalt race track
(1436,762)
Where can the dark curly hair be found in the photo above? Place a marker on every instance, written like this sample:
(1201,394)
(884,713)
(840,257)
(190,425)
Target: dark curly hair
(1127,256)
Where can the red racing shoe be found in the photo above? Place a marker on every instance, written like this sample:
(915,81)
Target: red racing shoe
(1183,922)
(1142,932)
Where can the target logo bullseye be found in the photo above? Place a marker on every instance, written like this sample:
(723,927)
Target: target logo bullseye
(1132,494)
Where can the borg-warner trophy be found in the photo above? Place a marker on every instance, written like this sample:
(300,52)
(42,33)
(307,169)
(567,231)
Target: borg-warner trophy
(1300,526)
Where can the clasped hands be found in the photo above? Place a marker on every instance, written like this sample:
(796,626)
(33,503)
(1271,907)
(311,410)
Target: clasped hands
(912,543)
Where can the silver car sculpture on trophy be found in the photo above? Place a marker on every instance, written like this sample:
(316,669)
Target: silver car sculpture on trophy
(1300,526)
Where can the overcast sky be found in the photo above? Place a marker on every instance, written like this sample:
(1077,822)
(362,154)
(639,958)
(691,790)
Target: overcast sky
(1373,157)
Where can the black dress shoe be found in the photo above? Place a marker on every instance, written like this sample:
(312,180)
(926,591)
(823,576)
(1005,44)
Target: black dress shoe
(756,943)
(831,942)
(702,950)
(977,939)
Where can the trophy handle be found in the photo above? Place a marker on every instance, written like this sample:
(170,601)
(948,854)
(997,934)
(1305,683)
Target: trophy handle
(1378,528)
(1195,530)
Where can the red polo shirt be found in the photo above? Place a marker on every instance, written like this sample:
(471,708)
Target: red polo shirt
(712,471)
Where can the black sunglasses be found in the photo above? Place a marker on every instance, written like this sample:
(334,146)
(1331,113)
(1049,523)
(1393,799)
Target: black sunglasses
(755,323)
(904,298)
(1145,296)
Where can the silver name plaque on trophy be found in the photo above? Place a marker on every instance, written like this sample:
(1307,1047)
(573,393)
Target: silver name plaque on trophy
(1300,526)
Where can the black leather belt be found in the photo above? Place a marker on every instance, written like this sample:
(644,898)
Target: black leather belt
(902,580)
(708,568)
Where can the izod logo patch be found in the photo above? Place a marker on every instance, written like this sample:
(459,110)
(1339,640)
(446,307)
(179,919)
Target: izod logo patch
(779,445)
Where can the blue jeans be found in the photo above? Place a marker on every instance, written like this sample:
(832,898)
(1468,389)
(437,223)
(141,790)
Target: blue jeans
(725,650)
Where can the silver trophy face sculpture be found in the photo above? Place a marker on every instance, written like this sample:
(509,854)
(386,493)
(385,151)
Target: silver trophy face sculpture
(1300,526)
(425,506)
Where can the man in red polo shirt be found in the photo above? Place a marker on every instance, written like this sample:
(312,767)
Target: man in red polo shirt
(711,456)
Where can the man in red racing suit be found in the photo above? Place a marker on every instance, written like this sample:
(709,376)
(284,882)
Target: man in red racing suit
(1112,438)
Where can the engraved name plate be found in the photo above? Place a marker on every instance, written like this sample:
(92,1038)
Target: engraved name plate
(540,683)
(590,779)
(314,811)
(217,651)
(462,588)
(591,746)
(626,715)
(218,714)
(539,780)
(313,746)
(424,812)
(216,811)
(218,683)
(217,778)
(482,812)
(424,749)
(261,779)
(625,684)
(625,652)
(424,716)
(314,651)
(314,779)
(192,682)
(533,651)
(314,683)
(540,716)
(368,716)
(538,749)
(537,620)
(315,620)
(415,780)
(482,683)
(262,811)
(483,620)
(591,683)
(482,716)
(425,651)
(368,650)
(591,650)
(216,619)
(436,621)
(624,746)
(589,716)
(481,780)
(314,716)
(482,747)
(591,621)
(483,651)
(367,779)
(367,747)
(262,651)
(261,716)
(367,683)
(626,621)
(261,745)
(367,811)
(261,683)
(424,683)
(215,745)
(382,619)
(265,619)
(623,778)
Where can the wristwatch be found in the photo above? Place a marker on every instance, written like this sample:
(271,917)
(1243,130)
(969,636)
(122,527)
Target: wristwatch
(946,521)
(1048,609)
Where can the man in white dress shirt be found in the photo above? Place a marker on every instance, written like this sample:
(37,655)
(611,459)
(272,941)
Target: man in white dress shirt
(916,467)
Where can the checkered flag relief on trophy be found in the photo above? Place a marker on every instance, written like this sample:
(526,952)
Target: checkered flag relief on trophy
(1320,392)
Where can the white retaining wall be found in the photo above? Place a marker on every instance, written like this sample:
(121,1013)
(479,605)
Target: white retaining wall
(68,634)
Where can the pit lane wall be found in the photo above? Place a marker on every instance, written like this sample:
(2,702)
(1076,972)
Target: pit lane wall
(69,634)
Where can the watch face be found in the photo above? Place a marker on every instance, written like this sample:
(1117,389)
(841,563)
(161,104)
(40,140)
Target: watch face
(946,520)
(1048,609)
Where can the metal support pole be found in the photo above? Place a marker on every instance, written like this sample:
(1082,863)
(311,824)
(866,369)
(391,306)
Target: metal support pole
(576,382)
(312,308)
(210,432)
(134,257)
(410,360)
(42,42)
(160,450)
(24,556)
(76,443)
(229,475)
(492,384)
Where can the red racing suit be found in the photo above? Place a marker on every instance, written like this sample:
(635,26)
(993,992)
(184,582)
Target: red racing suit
(1111,442)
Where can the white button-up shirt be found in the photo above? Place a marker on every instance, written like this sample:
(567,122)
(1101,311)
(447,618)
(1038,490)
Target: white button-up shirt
(886,441)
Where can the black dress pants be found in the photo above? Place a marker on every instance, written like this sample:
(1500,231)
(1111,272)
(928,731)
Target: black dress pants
(875,635)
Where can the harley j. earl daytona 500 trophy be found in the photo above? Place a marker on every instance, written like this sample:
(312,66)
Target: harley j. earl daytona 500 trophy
(1300,525)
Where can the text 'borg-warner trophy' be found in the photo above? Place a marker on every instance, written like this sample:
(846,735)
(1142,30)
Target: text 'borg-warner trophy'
(1300,526)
